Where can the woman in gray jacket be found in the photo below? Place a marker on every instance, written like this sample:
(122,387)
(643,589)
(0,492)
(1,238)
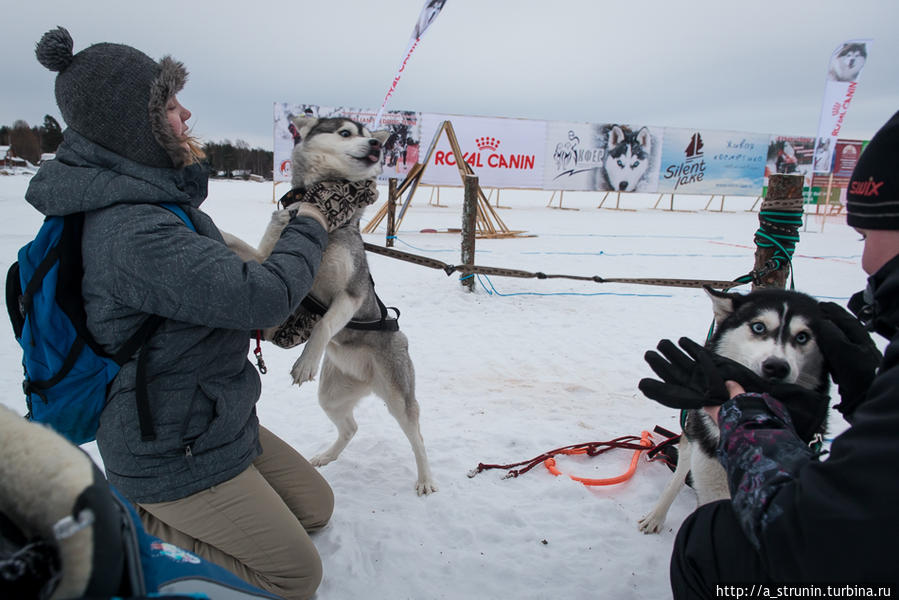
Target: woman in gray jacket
(203,472)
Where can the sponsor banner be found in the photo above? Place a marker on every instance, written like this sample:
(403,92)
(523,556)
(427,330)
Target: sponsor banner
(790,155)
(573,156)
(712,162)
(843,71)
(401,150)
(503,153)
(845,157)
(610,156)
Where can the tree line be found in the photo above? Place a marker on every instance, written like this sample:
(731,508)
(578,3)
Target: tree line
(225,159)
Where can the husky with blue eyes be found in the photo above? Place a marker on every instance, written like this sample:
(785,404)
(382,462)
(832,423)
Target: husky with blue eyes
(770,331)
(351,341)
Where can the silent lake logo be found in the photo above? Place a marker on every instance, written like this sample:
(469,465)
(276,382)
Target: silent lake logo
(692,168)
(489,155)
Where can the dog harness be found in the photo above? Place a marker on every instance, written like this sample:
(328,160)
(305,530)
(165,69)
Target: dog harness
(299,326)
(384,323)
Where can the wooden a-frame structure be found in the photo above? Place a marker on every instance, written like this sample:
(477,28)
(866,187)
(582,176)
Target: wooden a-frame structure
(488,223)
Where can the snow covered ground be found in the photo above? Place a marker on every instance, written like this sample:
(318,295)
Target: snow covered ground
(518,367)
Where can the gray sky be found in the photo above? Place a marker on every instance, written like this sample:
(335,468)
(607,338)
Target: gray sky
(755,66)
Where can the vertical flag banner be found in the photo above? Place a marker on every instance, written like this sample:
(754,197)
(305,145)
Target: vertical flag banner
(428,13)
(843,72)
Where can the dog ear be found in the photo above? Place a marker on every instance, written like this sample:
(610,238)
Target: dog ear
(643,137)
(381,135)
(616,136)
(723,304)
(304,124)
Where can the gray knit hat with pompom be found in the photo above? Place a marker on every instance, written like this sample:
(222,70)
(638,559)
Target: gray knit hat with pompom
(116,96)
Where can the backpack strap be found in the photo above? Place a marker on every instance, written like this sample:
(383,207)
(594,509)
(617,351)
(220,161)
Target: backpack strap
(138,341)
(171,206)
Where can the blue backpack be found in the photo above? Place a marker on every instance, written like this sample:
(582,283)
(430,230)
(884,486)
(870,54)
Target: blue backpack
(66,370)
(124,562)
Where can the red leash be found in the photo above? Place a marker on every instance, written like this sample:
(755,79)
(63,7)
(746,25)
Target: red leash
(639,445)
(260,364)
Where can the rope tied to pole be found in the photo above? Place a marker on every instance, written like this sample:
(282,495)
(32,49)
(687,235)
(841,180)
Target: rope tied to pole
(778,229)
(469,270)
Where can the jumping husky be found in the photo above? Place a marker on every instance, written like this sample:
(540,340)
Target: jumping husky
(357,361)
(770,332)
(626,157)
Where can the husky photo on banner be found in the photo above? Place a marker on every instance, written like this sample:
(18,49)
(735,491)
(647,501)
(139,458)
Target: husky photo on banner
(609,156)
(401,150)
(843,72)
(712,162)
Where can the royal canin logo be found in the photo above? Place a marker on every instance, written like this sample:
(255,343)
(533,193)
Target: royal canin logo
(865,188)
(487,143)
(488,156)
(836,109)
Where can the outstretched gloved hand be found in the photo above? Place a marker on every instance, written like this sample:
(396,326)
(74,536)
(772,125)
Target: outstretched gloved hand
(694,377)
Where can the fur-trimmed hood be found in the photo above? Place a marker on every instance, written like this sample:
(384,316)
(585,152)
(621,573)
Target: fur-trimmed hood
(171,79)
(116,96)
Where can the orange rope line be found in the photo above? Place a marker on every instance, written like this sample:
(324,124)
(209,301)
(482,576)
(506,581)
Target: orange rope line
(645,441)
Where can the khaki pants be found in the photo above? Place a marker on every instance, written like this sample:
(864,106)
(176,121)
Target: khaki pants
(255,525)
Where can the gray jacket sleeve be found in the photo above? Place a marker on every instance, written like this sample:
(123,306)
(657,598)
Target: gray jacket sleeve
(157,265)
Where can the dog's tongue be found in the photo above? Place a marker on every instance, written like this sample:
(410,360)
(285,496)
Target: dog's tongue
(374,157)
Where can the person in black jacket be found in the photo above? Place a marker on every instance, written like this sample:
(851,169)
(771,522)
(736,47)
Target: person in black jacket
(795,517)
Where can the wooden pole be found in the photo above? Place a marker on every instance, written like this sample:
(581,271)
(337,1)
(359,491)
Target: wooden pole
(391,211)
(784,195)
(469,226)
(827,201)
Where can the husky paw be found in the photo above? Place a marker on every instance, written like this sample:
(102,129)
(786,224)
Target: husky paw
(282,217)
(650,523)
(423,488)
(320,460)
(304,370)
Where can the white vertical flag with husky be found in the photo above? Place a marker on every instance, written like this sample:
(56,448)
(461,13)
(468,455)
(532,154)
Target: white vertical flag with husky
(428,14)
(843,71)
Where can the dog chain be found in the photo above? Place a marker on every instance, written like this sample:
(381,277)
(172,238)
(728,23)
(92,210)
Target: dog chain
(504,272)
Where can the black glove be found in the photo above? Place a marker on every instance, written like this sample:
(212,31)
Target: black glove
(688,381)
(696,378)
(333,203)
(851,355)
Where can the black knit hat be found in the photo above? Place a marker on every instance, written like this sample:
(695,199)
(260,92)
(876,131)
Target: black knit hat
(873,195)
(116,96)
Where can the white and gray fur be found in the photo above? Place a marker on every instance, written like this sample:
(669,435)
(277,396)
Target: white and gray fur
(768,331)
(356,363)
(848,62)
(627,156)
